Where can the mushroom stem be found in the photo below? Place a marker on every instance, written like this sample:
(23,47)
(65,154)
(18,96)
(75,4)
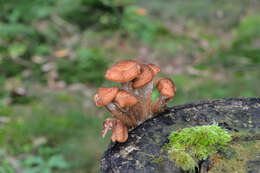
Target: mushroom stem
(132,117)
(148,98)
(140,110)
(113,109)
(128,87)
(119,132)
(107,125)
(160,104)
(126,111)
(123,110)
(144,95)
(139,83)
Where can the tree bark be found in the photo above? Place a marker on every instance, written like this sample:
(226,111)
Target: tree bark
(144,145)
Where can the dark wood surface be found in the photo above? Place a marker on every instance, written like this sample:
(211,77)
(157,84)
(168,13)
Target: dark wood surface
(139,152)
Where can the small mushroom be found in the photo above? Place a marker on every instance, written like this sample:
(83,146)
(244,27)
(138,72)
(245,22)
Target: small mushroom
(155,69)
(107,125)
(144,78)
(124,72)
(126,100)
(119,130)
(104,97)
(166,89)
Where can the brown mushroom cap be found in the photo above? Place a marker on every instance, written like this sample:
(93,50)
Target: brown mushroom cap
(155,69)
(125,99)
(144,78)
(166,87)
(123,71)
(105,95)
(119,132)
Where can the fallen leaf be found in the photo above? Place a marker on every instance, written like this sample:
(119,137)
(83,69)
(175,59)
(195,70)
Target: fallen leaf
(61,53)
(141,11)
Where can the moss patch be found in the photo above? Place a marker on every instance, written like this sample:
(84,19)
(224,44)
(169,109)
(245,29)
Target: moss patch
(189,146)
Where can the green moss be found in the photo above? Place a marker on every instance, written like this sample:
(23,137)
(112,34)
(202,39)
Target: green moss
(191,145)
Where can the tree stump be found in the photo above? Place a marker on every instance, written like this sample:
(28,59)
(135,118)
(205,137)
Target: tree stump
(141,151)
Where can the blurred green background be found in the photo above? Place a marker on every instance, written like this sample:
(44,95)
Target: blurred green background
(54,53)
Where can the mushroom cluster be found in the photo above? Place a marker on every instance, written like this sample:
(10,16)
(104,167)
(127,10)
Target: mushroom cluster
(132,104)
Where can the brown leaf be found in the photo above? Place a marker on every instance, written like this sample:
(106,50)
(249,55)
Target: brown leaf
(61,53)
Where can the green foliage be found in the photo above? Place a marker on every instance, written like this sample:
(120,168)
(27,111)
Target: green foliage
(25,11)
(64,129)
(36,164)
(5,166)
(21,40)
(20,143)
(246,39)
(55,129)
(89,67)
(244,50)
(194,144)
(101,13)
(5,110)
(247,32)
(3,92)
(221,13)
(136,22)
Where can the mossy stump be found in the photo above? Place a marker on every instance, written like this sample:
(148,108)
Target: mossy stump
(142,152)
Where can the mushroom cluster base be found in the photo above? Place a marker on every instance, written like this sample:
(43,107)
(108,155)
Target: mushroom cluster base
(142,152)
